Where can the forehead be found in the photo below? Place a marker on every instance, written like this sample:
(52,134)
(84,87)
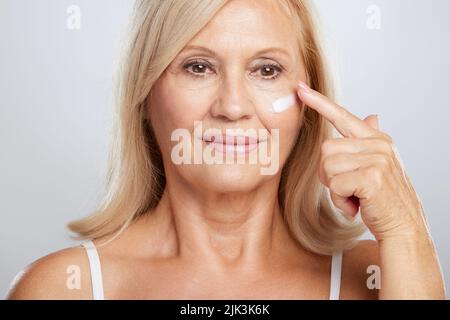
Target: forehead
(249,24)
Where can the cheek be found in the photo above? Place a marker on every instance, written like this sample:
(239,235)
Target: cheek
(180,106)
(174,108)
(288,122)
(290,126)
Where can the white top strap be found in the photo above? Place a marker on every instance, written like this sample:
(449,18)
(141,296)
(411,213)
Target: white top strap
(336,267)
(96,270)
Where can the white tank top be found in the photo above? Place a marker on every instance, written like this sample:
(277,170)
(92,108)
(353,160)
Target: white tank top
(97,281)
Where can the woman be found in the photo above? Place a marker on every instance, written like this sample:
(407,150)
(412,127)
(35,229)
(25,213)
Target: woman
(171,229)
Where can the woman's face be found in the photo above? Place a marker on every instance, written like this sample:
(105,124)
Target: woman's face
(227,78)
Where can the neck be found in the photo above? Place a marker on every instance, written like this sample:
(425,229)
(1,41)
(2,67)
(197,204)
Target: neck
(224,230)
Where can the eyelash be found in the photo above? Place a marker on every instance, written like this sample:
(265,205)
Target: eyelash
(277,68)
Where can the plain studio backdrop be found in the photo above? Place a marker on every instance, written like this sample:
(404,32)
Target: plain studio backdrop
(56,89)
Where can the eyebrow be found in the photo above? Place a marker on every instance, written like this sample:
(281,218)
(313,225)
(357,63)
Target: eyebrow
(260,52)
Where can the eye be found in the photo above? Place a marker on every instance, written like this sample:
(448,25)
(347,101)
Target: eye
(270,71)
(197,69)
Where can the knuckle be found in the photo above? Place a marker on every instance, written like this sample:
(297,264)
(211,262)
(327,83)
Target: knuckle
(327,164)
(386,144)
(387,138)
(384,162)
(326,146)
(332,183)
(374,175)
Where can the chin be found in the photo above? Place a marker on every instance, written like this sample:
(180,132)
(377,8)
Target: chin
(230,178)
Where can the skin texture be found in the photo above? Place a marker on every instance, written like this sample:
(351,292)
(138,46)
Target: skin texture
(217,232)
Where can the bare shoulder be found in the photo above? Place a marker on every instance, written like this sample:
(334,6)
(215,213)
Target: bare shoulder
(358,270)
(62,275)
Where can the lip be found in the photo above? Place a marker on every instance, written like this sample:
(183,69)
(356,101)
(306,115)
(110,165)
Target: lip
(231,139)
(232,143)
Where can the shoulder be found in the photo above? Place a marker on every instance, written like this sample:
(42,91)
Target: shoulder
(63,274)
(359,265)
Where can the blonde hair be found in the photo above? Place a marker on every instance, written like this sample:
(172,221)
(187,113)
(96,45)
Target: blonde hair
(136,180)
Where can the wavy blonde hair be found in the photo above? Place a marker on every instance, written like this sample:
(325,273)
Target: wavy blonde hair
(160,29)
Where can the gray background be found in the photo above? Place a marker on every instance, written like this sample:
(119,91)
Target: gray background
(56,89)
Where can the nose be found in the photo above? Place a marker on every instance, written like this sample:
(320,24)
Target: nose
(234,101)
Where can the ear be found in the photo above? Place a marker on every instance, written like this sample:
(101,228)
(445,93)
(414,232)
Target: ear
(372,121)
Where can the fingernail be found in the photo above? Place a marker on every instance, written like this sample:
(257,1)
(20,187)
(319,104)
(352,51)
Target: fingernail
(304,86)
(378,121)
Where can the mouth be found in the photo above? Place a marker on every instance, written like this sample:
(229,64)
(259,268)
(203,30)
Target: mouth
(232,143)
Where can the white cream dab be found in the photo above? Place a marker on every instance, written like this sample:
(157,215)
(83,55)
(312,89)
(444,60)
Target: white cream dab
(284,103)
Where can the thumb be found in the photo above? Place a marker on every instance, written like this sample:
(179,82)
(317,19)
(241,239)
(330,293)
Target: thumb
(348,205)
(372,121)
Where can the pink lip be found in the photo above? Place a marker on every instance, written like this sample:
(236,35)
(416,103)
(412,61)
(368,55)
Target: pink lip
(231,140)
(232,144)
(233,148)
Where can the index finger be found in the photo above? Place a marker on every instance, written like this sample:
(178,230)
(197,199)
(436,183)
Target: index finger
(349,125)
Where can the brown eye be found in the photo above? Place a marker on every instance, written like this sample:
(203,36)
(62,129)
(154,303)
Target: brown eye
(198,69)
(267,71)
(270,71)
